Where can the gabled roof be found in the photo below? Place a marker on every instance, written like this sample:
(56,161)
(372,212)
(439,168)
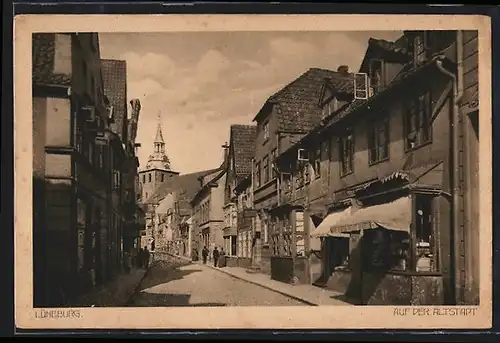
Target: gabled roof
(297,102)
(208,180)
(43,52)
(186,185)
(114,77)
(242,142)
(396,52)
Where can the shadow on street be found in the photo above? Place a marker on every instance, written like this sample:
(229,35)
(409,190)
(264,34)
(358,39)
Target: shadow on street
(159,274)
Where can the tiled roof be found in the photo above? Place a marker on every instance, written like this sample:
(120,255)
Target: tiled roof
(43,51)
(398,47)
(186,185)
(114,77)
(297,102)
(242,141)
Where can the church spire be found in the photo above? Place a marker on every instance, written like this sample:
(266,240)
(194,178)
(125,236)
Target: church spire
(159,135)
(158,159)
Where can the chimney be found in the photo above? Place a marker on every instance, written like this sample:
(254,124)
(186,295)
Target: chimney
(343,69)
(226,154)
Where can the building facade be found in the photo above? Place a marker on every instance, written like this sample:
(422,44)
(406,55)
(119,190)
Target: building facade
(207,210)
(239,167)
(73,155)
(390,195)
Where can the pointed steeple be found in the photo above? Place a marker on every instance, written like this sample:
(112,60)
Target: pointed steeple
(158,159)
(159,135)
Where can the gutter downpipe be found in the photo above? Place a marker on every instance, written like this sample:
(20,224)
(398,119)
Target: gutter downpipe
(458,91)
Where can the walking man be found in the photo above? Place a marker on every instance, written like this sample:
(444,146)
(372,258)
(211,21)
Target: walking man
(204,254)
(216,256)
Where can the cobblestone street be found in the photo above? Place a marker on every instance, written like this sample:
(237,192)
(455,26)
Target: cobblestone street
(197,285)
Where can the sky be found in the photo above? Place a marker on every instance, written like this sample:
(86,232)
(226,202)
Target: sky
(202,82)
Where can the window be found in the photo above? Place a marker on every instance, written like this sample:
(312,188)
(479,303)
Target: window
(378,141)
(425,242)
(266,131)
(419,53)
(116,179)
(273,166)
(346,150)
(317,162)
(144,178)
(162,177)
(377,75)
(306,172)
(257,175)
(265,169)
(91,152)
(149,177)
(329,107)
(100,157)
(233,246)
(417,122)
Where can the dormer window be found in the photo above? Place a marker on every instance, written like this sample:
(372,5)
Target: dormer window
(377,80)
(329,107)
(419,52)
(266,131)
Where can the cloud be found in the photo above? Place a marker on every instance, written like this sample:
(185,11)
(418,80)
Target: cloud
(202,83)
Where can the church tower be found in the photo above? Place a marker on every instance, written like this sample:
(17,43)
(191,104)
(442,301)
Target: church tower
(157,170)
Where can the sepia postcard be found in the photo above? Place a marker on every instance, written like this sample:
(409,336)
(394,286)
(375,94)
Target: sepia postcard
(253,172)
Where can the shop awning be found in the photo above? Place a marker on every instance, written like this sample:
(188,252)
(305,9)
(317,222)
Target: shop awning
(324,228)
(395,215)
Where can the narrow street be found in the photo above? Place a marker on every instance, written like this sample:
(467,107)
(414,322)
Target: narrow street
(198,285)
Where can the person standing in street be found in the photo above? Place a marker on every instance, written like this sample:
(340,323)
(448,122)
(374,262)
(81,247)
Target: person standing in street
(204,254)
(216,256)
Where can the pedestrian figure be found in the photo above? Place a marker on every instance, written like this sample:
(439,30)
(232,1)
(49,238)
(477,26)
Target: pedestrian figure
(204,254)
(146,257)
(216,256)
(222,258)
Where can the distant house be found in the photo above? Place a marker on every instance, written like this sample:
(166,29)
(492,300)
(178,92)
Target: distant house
(208,213)
(239,167)
(172,195)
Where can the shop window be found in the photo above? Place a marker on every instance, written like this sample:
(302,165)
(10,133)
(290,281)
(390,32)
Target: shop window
(378,141)
(338,252)
(265,169)
(417,124)
(233,246)
(287,244)
(346,150)
(425,245)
